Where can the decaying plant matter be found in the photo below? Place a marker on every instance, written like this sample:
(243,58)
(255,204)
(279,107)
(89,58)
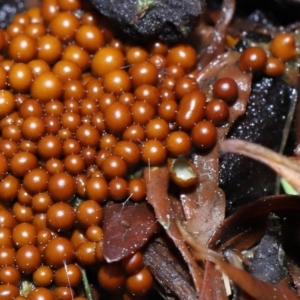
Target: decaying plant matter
(123,162)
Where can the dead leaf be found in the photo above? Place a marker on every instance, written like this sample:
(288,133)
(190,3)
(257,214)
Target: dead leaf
(157,182)
(126,227)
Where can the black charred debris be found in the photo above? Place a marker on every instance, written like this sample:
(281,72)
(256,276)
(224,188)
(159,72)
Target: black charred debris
(8,8)
(169,20)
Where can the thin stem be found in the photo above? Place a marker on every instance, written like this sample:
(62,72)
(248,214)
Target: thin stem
(86,285)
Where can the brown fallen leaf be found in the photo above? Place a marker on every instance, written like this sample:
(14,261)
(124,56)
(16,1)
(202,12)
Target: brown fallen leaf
(214,43)
(126,228)
(213,284)
(157,182)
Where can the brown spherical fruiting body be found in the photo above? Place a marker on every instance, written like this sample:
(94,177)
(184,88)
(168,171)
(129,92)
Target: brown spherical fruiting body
(41,202)
(217,111)
(133,263)
(108,142)
(159,61)
(107,59)
(226,88)
(175,71)
(28,258)
(64,26)
(9,187)
(97,189)
(136,54)
(183,55)
(87,135)
(22,163)
(204,134)
(114,166)
(3,166)
(7,219)
(140,283)
(33,128)
(274,67)
(167,110)
(78,237)
(153,152)
(46,87)
(61,187)
(41,293)
(68,275)
(94,233)
(117,118)
(22,48)
(111,277)
(178,143)
(128,151)
(7,103)
(5,237)
(89,37)
(43,276)
(12,132)
(67,70)
(50,49)
(283,46)
(143,73)
(7,256)
(59,251)
(49,147)
(137,189)
(134,133)
(89,213)
(38,67)
(117,82)
(22,213)
(148,93)
(253,59)
(184,85)
(63,292)
(118,189)
(35,30)
(157,129)
(9,291)
(60,216)
(24,234)
(86,253)
(20,77)
(71,146)
(142,112)
(74,89)
(10,275)
(106,100)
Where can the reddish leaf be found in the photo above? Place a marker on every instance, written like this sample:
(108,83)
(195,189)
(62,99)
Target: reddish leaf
(214,44)
(157,181)
(126,227)
(213,285)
